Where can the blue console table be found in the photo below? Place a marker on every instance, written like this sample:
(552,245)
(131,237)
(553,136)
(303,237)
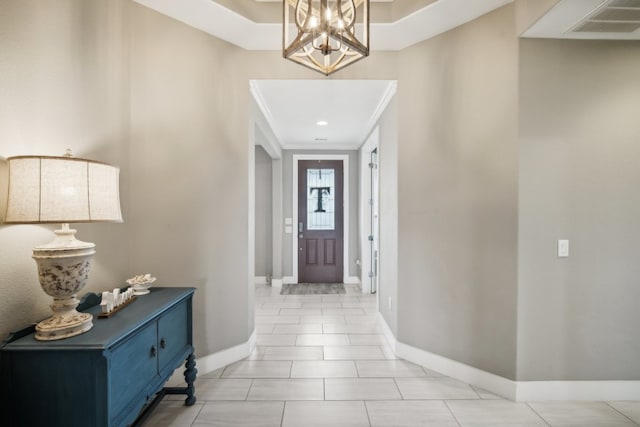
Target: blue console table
(110,376)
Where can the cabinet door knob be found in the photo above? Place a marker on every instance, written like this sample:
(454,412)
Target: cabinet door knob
(153,351)
(163,343)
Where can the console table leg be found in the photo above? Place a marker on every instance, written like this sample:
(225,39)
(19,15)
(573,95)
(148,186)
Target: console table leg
(190,377)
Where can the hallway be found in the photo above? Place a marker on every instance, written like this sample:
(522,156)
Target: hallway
(321,360)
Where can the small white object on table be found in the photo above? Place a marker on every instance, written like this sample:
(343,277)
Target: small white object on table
(141,283)
(112,300)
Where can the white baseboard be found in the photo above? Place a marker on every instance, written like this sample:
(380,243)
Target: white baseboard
(577,390)
(220,359)
(289,280)
(387,332)
(520,391)
(262,280)
(227,356)
(460,371)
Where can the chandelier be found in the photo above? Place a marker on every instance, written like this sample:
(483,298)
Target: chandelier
(329,34)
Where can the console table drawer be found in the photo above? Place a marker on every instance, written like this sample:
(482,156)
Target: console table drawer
(173,329)
(134,365)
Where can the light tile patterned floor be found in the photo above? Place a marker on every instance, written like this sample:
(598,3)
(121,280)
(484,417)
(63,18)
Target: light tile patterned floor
(321,360)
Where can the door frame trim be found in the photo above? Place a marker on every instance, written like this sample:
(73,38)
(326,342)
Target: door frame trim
(366,193)
(345,204)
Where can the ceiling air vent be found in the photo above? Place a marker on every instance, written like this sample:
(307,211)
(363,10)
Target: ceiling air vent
(625,3)
(606,27)
(614,16)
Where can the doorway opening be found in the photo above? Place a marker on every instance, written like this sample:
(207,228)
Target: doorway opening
(321,218)
(320,221)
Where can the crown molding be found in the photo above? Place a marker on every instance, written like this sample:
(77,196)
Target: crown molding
(391,90)
(220,22)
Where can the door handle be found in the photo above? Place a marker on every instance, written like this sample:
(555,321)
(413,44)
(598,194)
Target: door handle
(300,227)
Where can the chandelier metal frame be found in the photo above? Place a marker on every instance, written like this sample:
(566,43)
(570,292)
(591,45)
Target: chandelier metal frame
(327,33)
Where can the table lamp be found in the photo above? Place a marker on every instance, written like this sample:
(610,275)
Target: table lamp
(44,189)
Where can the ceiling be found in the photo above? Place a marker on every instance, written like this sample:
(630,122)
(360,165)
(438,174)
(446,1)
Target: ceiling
(347,109)
(351,108)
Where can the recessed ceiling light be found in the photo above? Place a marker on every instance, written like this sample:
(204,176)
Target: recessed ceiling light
(322,123)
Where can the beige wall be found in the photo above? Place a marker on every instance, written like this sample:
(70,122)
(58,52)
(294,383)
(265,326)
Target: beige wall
(190,157)
(579,150)
(170,105)
(264,210)
(457,163)
(63,84)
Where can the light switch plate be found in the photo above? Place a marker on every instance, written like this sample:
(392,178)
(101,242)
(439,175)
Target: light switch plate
(288,229)
(288,221)
(563,248)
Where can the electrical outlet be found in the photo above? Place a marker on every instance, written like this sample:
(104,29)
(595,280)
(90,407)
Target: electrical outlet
(390,304)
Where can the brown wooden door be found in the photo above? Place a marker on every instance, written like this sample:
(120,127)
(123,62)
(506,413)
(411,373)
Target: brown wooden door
(320,217)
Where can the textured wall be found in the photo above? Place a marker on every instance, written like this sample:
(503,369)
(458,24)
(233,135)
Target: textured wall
(579,151)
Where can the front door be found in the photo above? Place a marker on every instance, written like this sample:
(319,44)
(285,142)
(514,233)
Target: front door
(320,216)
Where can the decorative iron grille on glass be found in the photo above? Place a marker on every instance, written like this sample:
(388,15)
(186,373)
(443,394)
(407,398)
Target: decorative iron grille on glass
(329,34)
(321,212)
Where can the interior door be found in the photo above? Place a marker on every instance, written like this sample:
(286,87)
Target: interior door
(320,216)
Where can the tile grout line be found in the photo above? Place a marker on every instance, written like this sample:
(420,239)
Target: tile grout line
(366,409)
(451,412)
(246,398)
(284,406)
(395,381)
(198,414)
(536,412)
(621,413)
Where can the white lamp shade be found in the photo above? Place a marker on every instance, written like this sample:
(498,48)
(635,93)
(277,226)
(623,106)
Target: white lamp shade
(62,190)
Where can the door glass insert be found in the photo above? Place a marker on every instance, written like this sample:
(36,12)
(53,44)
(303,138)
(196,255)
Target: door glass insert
(321,186)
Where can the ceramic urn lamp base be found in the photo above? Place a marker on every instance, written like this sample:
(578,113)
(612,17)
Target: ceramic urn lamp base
(57,328)
(63,270)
